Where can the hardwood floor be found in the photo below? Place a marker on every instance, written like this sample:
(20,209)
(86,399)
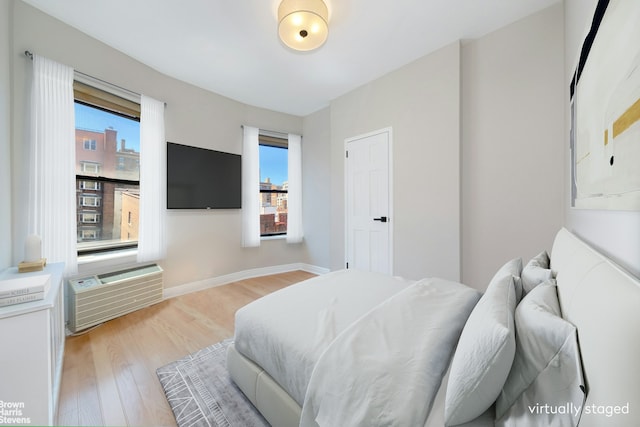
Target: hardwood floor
(109,374)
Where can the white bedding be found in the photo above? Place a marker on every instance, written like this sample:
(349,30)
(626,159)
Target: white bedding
(288,350)
(387,367)
(585,279)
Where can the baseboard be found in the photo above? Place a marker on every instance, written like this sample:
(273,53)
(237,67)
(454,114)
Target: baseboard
(200,285)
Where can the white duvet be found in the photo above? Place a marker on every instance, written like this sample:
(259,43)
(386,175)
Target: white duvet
(357,348)
(386,368)
(286,331)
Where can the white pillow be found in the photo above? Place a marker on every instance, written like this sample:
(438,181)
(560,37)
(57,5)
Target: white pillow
(514,268)
(484,355)
(535,272)
(546,369)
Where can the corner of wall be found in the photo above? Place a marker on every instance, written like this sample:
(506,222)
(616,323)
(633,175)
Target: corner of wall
(5,134)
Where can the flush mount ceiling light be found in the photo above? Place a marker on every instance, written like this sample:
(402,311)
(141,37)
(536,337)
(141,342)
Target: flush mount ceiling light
(302,24)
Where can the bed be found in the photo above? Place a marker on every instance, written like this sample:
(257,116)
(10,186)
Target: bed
(550,342)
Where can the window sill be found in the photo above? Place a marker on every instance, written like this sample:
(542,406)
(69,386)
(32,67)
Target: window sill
(101,262)
(278,237)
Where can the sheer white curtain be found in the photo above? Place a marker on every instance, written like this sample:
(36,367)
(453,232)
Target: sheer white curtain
(152,229)
(52,195)
(294,196)
(250,188)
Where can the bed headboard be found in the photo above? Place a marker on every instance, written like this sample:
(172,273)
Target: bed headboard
(603,302)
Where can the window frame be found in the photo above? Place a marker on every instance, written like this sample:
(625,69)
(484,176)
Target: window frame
(90,144)
(84,198)
(85,234)
(85,215)
(109,98)
(276,142)
(84,186)
(96,166)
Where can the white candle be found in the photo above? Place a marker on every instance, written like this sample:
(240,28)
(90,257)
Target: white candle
(32,248)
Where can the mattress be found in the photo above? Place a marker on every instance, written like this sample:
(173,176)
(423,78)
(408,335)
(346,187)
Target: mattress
(286,338)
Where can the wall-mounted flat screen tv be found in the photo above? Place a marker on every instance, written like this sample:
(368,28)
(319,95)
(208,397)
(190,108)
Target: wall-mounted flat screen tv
(199,178)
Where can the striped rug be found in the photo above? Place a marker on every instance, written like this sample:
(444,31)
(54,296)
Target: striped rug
(201,393)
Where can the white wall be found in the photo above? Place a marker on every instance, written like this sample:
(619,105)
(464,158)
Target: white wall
(478,151)
(512,143)
(421,103)
(202,244)
(615,233)
(479,146)
(316,191)
(5,136)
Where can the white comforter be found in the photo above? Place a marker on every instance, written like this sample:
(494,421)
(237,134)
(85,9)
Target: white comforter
(386,368)
(286,331)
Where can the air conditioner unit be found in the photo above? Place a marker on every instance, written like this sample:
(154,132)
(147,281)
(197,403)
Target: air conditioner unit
(96,299)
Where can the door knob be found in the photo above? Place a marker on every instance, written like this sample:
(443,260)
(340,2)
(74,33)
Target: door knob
(381,219)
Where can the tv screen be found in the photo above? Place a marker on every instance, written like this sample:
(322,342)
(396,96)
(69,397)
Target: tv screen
(198,178)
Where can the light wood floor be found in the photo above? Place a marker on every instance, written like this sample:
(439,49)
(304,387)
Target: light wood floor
(109,374)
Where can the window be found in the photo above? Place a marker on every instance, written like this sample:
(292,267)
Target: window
(88,234)
(107,168)
(89,185)
(90,217)
(90,167)
(90,144)
(273,185)
(92,201)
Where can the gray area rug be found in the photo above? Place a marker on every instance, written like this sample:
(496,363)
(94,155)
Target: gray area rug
(201,393)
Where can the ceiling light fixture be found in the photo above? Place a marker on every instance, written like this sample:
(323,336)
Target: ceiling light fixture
(303,24)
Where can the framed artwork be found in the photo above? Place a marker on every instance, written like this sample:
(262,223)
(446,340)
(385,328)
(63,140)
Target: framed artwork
(605,111)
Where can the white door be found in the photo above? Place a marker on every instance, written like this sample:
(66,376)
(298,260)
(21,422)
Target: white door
(368,202)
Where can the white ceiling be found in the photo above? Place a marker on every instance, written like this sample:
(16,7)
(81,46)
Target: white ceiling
(231,47)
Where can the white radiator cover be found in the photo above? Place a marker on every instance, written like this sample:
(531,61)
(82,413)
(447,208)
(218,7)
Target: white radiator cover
(96,299)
